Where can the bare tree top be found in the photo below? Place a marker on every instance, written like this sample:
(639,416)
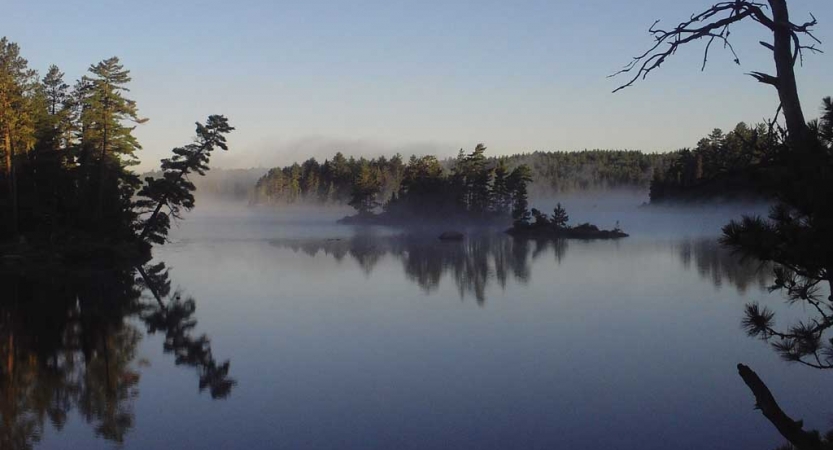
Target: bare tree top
(714,24)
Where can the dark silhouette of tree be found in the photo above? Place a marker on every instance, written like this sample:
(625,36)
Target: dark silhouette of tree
(559,216)
(17,84)
(541,219)
(797,238)
(67,186)
(107,139)
(366,188)
(501,195)
(471,177)
(714,24)
(174,190)
(737,164)
(517,182)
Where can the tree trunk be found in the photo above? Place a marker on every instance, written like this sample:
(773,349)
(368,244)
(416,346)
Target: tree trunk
(11,178)
(785,69)
(102,175)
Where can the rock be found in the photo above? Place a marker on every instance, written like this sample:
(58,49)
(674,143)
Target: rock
(451,236)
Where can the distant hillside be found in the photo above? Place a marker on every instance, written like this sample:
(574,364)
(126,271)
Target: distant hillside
(331,181)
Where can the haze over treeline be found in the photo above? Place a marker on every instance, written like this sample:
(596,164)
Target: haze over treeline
(691,174)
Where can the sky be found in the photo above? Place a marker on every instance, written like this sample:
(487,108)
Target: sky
(309,78)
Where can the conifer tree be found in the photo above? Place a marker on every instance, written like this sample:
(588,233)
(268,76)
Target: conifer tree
(17,84)
(366,187)
(500,189)
(518,179)
(798,238)
(559,216)
(174,190)
(105,133)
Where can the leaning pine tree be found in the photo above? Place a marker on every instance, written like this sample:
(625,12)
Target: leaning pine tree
(174,190)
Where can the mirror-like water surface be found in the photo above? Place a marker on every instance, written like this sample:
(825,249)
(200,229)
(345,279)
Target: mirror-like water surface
(268,333)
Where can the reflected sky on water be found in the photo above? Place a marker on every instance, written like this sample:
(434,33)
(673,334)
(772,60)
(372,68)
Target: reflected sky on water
(341,338)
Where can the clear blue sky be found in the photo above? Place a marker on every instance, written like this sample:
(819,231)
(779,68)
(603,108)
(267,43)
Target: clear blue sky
(314,77)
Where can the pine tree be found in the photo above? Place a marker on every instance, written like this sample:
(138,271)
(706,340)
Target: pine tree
(500,197)
(17,84)
(174,190)
(366,187)
(517,182)
(798,239)
(559,216)
(105,133)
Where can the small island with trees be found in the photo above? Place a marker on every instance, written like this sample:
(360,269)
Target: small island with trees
(556,227)
(476,191)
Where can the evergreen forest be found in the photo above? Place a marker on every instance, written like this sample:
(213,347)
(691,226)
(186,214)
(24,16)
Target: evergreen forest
(67,153)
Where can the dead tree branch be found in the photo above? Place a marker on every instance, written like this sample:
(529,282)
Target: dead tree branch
(714,24)
(792,430)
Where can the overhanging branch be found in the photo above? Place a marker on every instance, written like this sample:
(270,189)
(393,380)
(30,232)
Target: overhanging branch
(792,430)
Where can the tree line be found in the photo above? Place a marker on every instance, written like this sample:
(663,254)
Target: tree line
(332,182)
(67,153)
(731,165)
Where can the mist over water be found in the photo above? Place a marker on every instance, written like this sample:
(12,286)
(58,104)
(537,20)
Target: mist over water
(629,207)
(378,338)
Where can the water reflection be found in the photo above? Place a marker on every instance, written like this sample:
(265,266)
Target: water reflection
(478,261)
(719,265)
(473,263)
(68,344)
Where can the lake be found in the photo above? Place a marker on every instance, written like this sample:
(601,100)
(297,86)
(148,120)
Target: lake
(339,338)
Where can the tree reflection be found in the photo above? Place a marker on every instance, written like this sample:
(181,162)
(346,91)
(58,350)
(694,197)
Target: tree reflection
(68,343)
(175,320)
(479,261)
(473,263)
(720,265)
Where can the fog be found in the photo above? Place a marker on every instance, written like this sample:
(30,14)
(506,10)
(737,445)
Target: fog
(223,218)
(630,208)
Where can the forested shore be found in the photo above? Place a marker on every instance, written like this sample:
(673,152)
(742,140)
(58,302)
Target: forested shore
(721,167)
(67,187)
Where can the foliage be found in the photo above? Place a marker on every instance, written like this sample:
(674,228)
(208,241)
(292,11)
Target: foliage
(552,172)
(725,165)
(470,190)
(559,216)
(67,154)
(366,187)
(174,190)
(798,238)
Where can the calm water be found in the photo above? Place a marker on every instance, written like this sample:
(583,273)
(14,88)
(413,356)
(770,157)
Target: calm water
(339,338)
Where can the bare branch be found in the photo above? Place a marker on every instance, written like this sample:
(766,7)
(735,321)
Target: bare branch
(709,25)
(687,32)
(792,430)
